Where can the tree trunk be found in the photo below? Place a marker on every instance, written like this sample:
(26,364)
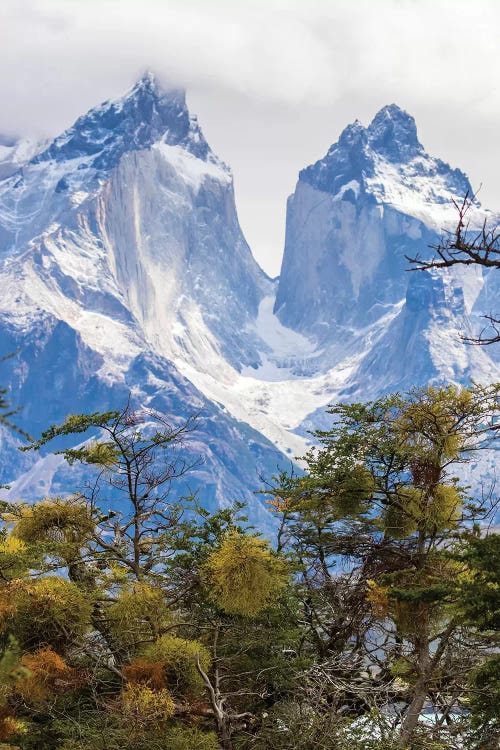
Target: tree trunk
(224,732)
(412,715)
(424,667)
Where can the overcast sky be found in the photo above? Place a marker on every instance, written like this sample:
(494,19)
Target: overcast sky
(273,83)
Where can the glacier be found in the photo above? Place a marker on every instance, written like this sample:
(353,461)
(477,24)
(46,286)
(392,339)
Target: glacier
(124,272)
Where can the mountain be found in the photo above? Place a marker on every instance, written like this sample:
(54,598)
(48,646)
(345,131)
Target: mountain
(124,272)
(121,253)
(129,215)
(375,199)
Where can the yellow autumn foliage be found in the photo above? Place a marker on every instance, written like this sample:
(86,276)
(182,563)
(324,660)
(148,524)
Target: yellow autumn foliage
(444,506)
(179,657)
(11,546)
(15,559)
(244,576)
(414,508)
(432,426)
(376,596)
(141,707)
(50,611)
(8,594)
(65,524)
(138,615)
(101,453)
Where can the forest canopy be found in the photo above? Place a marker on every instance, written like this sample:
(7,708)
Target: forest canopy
(131,617)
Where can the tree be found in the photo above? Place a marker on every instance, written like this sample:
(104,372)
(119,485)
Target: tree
(135,611)
(480,601)
(6,410)
(466,247)
(379,492)
(103,596)
(137,456)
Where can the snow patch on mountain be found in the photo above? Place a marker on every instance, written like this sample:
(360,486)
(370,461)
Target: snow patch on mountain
(420,188)
(277,397)
(285,348)
(16,152)
(190,168)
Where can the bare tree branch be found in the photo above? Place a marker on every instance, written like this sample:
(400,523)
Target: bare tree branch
(465,246)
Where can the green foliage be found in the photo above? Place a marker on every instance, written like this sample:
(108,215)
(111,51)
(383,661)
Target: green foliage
(75,424)
(401,514)
(444,507)
(364,600)
(137,616)
(479,597)
(62,526)
(389,459)
(292,725)
(479,589)
(344,490)
(50,611)
(179,658)
(186,738)
(103,453)
(432,510)
(485,698)
(402,592)
(434,426)
(244,575)
(110,735)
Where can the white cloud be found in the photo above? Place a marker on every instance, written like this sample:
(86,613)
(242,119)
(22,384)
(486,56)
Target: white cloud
(273,82)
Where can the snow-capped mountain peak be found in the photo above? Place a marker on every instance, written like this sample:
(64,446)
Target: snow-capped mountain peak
(375,199)
(146,114)
(385,161)
(128,214)
(122,268)
(393,133)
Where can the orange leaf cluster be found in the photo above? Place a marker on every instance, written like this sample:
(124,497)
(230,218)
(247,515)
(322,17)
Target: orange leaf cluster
(8,724)
(144,672)
(48,672)
(279,504)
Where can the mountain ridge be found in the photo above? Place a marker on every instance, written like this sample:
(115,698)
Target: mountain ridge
(124,270)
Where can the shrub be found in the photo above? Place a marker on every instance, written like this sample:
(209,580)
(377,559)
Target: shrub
(143,707)
(51,612)
(138,616)
(244,575)
(45,668)
(143,672)
(61,521)
(178,658)
(184,738)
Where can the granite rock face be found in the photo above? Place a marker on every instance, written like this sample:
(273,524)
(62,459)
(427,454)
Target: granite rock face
(356,216)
